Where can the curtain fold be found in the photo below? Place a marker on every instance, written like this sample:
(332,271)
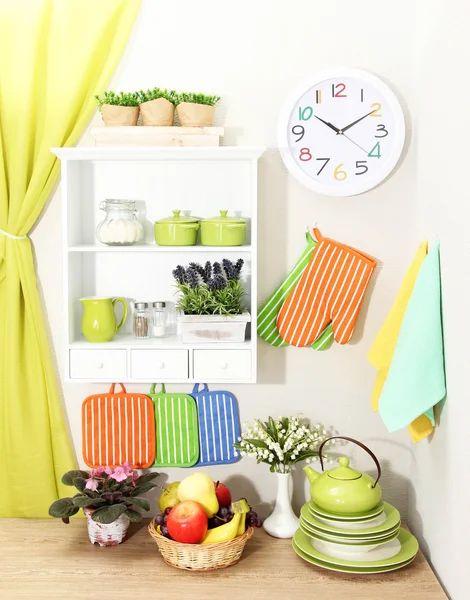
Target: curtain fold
(55,55)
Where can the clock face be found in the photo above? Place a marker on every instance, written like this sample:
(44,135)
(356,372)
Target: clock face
(342,133)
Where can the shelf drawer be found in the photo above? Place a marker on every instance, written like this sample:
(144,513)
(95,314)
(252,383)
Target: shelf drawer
(98,364)
(160,365)
(222,364)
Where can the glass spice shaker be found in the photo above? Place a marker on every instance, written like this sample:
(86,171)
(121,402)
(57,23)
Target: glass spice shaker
(141,320)
(159,319)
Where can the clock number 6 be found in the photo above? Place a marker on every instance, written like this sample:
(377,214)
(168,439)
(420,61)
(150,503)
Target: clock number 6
(383,130)
(305,154)
(299,130)
(338,174)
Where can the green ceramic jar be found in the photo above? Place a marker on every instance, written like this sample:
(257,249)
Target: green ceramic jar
(176,230)
(223,231)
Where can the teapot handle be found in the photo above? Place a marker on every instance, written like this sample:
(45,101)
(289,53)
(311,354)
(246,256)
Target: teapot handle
(363,446)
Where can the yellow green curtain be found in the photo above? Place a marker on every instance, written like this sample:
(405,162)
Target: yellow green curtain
(55,56)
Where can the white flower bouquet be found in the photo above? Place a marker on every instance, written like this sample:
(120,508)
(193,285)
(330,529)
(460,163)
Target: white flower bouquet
(281,442)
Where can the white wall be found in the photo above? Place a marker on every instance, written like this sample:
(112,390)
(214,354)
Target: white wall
(438,503)
(252,54)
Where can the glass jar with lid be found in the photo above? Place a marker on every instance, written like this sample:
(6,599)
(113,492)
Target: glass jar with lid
(159,319)
(120,226)
(141,320)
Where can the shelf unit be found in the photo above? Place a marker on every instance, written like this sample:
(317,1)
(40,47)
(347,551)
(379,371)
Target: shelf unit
(198,180)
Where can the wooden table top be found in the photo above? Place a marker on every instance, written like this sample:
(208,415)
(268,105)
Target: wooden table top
(45,559)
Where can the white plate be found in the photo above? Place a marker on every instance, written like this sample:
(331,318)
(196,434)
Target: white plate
(379,552)
(349,540)
(363,516)
(354,524)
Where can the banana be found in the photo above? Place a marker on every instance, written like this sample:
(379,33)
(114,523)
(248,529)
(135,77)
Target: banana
(224,533)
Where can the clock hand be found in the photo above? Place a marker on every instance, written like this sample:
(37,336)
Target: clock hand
(348,138)
(351,124)
(329,124)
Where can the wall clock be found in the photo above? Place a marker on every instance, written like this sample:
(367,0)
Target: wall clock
(342,132)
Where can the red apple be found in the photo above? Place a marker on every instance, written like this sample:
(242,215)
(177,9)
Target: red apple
(223,494)
(187,522)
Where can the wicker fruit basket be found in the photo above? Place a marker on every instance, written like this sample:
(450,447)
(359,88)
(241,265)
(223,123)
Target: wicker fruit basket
(200,557)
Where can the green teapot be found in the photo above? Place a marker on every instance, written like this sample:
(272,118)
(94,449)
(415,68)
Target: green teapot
(343,490)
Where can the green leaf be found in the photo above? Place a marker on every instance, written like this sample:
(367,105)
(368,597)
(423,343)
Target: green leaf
(68,478)
(142,489)
(63,508)
(256,443)
(147,477)
(142,503)
(133,515)
(86,501)
(108,514)
(79,483)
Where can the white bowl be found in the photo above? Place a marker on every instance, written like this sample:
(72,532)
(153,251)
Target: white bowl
(369,553)
(381,518)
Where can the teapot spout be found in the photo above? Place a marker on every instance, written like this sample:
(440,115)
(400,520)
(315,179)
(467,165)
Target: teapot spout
(312,475)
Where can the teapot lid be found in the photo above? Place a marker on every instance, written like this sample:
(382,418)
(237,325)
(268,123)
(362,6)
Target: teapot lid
(223,218)
(344,471)
(177,218)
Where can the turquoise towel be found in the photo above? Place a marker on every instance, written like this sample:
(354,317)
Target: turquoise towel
(416,379)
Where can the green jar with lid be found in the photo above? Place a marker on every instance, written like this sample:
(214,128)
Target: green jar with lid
(223,231)
(178,230)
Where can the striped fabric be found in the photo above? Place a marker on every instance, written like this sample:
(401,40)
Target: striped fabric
(117,428)
(176,429)
(219,426)
(331,289)
(267,314)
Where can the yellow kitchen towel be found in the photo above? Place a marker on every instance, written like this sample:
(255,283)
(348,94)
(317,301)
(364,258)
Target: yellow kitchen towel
(381,352)
(416,378)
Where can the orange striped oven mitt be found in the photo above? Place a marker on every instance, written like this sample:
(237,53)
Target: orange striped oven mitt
(331,289)
(118,428)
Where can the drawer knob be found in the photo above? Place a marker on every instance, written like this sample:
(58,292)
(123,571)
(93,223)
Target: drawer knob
(223,365)
(160,365)
(99,365)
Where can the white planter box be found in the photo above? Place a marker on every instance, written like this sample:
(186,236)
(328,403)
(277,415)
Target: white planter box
(214,328)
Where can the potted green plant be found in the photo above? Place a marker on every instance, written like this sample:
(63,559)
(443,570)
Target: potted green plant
(110,498)
(157,106)
(120,109)
(211,302)
(196,110)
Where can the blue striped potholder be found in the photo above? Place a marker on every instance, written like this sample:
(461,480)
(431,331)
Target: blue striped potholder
(219,426)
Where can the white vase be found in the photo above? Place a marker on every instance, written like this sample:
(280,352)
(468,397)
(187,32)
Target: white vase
(282,523)
(106,534)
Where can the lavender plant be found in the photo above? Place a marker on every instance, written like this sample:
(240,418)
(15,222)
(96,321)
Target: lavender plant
(214,289)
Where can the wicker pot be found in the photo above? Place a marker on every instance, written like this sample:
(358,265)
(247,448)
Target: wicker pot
(160,112)
(200,557)
(110,534)
(195,115)
(118,116)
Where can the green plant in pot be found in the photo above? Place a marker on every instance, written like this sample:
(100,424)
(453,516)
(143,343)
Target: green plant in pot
(157,106)
(211,301)
(121,109)
(110,498)
(196,110)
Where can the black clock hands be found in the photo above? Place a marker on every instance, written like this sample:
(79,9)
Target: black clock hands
(354,123)
(328,124)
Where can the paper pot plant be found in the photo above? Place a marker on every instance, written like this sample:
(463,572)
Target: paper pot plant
(211,301)
(110,498)
(196,110)
(157,107)
(121,109)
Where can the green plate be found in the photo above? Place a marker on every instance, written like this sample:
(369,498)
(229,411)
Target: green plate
(409,548)
(392,519)
(363,570)
(362,516)
(337,540)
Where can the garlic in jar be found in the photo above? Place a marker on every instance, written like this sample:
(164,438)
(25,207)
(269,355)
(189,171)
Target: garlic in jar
(120,226)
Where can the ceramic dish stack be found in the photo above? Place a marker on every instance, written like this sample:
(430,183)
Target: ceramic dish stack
(340,531)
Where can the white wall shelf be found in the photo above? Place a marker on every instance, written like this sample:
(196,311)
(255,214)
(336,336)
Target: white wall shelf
(200,181)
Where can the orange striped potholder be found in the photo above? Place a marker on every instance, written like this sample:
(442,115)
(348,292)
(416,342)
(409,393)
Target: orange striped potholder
(117,428)
(331,289)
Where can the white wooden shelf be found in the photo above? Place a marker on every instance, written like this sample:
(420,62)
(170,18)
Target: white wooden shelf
(155,248)
(165,343)
(163,153)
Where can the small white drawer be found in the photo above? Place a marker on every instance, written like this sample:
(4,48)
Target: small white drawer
(98,364)
(160,365)
(222,364)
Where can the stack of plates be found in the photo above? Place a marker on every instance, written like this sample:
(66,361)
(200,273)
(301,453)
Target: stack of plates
(368,542)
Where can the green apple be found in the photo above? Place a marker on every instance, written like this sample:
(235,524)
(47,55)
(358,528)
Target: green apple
(169,497)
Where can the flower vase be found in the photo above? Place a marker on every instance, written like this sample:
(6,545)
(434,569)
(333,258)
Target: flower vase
(282,523)
(106,534)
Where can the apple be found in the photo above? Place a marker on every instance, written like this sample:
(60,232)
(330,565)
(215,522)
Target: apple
(187,522)
(223,494)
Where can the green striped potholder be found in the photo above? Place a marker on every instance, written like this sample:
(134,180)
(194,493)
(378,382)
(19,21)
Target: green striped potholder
(267,314)
(177,432)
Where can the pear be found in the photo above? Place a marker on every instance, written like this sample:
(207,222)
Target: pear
(169,497)
(200,488)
